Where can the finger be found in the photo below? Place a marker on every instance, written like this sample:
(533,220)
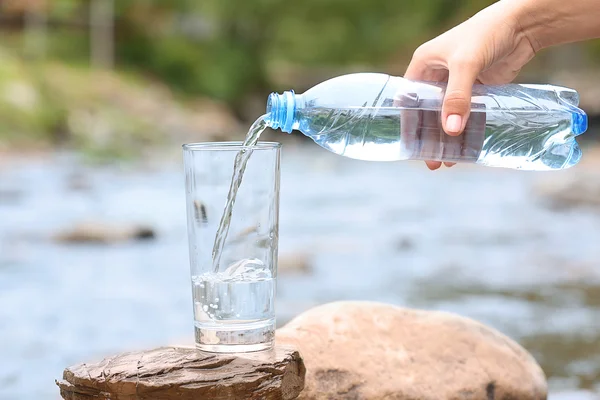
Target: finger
(433,165)
(431,135)
(409,126)
(449,164)
(457,99)
(418,64)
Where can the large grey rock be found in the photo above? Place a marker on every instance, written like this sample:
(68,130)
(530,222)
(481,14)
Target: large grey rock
(365,350)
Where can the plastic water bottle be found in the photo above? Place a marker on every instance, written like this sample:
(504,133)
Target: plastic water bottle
(378,117)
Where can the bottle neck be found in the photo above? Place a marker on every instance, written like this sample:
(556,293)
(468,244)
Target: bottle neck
(281,110)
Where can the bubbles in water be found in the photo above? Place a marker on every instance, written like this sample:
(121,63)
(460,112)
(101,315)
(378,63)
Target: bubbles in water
(247,269)
(244,291)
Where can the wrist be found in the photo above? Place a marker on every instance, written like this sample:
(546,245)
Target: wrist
(548,23)
(533,21)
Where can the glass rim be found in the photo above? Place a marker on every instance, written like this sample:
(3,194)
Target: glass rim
(229,146)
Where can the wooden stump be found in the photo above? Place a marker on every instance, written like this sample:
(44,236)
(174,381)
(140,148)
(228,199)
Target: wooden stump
(186,373)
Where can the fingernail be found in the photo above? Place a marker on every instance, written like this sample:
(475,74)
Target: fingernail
(453,123)
(433,165)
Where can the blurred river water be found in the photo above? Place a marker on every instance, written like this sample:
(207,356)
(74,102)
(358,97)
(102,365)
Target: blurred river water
(472,240)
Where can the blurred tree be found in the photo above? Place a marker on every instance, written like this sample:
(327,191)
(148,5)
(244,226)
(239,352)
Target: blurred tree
(102,27)
(36,16)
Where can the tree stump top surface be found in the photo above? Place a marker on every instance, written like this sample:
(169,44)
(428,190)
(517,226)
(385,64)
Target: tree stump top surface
(186,373)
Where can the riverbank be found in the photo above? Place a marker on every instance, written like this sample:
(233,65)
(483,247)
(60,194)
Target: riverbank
(103,113)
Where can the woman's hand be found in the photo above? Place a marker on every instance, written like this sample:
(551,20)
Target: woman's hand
(489,48)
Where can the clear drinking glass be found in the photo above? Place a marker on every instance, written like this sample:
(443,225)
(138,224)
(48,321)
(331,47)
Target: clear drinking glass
(234,305)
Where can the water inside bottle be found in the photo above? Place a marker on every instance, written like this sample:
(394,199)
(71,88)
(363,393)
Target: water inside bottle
(528,140)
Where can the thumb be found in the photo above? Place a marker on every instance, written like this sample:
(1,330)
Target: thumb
(457,99)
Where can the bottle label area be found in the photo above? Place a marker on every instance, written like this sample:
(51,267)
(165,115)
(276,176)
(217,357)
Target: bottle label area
(423,137)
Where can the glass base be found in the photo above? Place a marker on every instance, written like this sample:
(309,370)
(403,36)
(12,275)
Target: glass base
(235,338)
